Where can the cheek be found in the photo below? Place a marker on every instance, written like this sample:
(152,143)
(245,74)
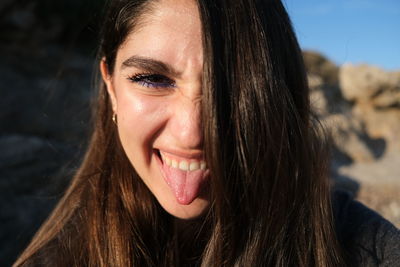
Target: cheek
(140,118)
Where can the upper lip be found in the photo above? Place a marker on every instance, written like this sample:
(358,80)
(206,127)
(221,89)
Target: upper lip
(196,155)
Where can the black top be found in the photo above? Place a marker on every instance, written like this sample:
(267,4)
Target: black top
(368,238)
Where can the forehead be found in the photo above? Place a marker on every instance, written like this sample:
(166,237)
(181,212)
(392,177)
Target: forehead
(169,32)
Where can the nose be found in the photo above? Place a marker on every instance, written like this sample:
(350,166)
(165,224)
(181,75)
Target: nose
(185,123)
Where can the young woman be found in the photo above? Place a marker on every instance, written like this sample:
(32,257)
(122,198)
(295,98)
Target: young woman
(204,152)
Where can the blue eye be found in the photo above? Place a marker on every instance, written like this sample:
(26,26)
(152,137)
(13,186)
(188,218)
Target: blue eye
(152,80)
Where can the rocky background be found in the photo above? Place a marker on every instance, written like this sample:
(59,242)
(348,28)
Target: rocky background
(359,105)
(47,53)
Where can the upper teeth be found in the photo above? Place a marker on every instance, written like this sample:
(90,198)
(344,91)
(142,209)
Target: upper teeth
(183,164)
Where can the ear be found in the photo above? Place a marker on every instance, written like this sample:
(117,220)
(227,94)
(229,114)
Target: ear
(109,85)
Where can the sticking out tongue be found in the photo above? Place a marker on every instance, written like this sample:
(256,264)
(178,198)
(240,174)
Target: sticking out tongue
(186,185)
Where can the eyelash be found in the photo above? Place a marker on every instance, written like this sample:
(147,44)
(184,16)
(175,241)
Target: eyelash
(152,80)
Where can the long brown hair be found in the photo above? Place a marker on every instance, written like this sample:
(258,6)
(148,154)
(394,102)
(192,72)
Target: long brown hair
(270,201)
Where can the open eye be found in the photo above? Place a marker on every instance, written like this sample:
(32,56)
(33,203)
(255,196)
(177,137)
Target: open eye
(152,80)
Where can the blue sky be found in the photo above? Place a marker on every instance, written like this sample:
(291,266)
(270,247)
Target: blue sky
(357,31)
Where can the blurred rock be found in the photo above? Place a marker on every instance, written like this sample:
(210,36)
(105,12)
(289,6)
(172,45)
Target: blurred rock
(30,183)
(314,81)
(4,4)
(47,51)
(39,22)
(319,65)
(347,136)
(323,80)
(319,103)
(364,83)
(23,18)
(27,160)
(44,124)
(361,110)
(380,184)
(375,94)
(380,123)
(35,100)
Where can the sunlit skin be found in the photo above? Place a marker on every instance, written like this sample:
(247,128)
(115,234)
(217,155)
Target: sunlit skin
(165,117)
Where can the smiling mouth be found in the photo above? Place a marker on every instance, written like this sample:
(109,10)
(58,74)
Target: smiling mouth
(184,176)
(182,164)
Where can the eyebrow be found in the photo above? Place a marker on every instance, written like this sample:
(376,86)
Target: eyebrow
(150,65)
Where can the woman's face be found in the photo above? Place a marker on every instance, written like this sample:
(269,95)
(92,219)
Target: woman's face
(156,93)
